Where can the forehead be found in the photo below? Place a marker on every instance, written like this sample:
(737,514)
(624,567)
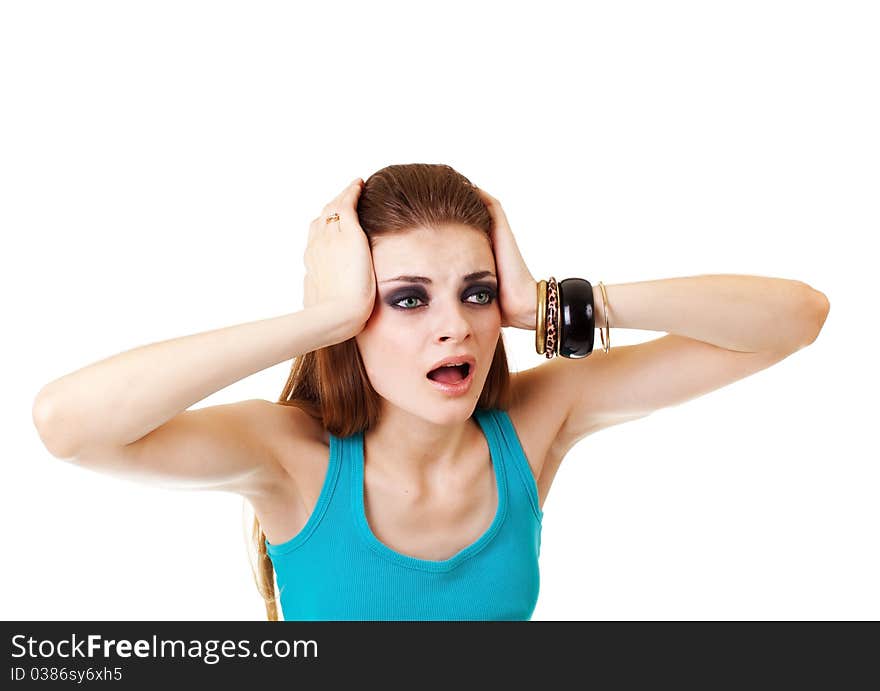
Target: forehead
(452,249)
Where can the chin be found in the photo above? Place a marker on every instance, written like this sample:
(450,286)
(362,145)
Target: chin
(451,411)
(437,411)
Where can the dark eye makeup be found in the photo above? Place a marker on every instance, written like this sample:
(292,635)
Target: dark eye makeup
(419,294)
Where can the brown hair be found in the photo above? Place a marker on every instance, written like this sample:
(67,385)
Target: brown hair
(331,384)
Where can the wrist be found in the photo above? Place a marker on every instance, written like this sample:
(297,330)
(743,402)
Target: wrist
(598,310)
(339,324)
(526,315)
(529,318)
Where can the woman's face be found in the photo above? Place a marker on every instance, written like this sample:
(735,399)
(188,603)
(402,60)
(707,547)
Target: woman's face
(415,324)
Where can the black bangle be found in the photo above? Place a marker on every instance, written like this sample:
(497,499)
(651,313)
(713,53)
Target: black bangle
(577,319)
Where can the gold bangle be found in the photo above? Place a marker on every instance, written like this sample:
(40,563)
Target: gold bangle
(606,338)
(540,326)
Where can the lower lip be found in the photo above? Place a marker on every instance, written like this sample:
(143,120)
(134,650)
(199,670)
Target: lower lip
(458,388)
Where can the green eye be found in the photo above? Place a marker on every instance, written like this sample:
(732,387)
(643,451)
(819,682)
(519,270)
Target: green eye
(413,297)
(488,297)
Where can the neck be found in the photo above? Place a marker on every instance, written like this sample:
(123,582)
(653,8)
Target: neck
(414,449)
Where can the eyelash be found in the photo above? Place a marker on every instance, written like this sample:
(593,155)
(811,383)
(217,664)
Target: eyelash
(488,291)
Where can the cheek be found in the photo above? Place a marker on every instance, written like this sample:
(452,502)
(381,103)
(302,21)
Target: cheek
(488,341)
(383,345)
(489,329)
(378,332)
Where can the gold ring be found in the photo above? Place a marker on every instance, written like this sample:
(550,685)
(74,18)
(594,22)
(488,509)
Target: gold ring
(332,217)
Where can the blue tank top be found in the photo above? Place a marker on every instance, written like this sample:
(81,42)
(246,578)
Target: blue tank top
(335,568)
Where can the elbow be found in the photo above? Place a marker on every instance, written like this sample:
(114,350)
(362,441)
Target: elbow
(817,311)
(806,317)
(45,421)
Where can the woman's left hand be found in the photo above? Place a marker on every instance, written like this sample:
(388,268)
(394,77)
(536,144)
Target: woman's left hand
(517,289)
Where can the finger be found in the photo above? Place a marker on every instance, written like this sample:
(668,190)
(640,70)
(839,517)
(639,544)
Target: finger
(347,208)
(353,187)
(346,198)
(334,224)
(485,196)
(315,226)
(352,192)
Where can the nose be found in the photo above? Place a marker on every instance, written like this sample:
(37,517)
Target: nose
(452,322)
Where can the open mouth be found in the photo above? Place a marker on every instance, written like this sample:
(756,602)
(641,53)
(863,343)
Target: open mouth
(450,374)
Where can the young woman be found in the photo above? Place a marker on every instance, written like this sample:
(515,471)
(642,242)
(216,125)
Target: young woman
(403,470)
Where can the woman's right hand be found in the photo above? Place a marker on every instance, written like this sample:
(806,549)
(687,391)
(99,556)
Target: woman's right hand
(338,260)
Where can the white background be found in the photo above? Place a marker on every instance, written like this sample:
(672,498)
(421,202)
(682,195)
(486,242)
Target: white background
(161,162)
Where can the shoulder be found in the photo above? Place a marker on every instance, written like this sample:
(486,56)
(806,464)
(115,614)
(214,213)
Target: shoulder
(536,419)
(301,446)
(290,423)
(299,441)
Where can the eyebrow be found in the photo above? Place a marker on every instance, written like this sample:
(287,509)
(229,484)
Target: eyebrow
(424,279)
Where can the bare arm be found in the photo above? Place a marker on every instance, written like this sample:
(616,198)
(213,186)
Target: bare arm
(128,415)
(120,399)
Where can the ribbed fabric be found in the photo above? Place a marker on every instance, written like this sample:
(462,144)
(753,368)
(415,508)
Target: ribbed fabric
(336,569)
